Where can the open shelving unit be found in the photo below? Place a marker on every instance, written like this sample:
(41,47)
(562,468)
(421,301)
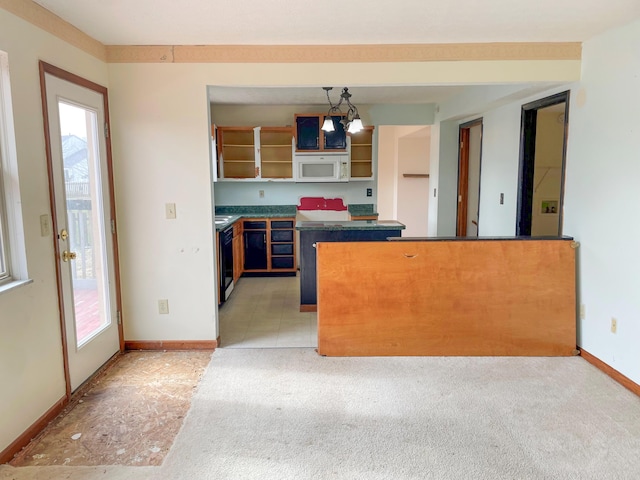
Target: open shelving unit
(276,152)
(362,153)
(237,152)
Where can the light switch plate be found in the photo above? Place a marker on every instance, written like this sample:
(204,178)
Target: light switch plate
(45,225)
(171,211)
(163,306)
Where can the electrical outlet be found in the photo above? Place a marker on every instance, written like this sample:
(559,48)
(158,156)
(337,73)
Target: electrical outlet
(261,193)
(170,211)
(369,192)
(614,325)
(163,306)
(502,199)
(583,311)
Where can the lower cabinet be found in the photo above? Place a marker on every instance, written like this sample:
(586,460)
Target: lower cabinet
(255,245)
(218,267)
(308,238)
(238,260)
(269,246)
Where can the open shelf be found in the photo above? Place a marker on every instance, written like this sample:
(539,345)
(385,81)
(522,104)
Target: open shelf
(237,151)
(362,153)
(276,153)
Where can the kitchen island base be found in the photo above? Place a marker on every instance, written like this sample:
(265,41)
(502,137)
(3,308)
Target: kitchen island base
(312,233)
(511,297)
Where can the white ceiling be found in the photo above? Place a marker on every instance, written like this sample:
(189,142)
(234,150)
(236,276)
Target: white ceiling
(300,22)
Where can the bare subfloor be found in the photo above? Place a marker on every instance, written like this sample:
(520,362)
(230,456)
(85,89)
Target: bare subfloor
(128,415)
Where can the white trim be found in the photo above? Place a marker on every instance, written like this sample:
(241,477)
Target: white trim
(10,188)
(6,287)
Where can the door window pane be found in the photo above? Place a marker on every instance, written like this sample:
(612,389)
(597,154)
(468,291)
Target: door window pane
(85,223)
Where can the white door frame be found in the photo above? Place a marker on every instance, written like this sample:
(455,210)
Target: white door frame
(47,69)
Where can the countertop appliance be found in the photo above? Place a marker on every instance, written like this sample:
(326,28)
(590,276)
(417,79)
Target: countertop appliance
(314,167)
(226,263)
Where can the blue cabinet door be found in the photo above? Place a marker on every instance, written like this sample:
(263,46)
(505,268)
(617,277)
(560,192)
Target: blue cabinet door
(255,250)
(308,293)
(308,133)
(336,140)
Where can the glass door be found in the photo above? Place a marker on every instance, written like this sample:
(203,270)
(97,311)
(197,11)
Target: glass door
(84,234)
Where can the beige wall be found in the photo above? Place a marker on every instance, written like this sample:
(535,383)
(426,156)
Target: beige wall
(387,190)
(404,149)
(413,193)
(31,368)
(161,144)
(160,134)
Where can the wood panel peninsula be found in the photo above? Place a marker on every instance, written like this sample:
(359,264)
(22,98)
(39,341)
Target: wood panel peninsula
(447,296)
(311,233)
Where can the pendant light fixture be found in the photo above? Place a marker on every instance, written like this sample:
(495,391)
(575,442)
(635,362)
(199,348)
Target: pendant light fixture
(351,121)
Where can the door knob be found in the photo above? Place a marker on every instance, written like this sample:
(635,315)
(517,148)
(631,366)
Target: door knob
(66,256)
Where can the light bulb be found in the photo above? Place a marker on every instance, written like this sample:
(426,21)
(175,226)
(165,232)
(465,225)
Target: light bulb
(327,126)
(356,125)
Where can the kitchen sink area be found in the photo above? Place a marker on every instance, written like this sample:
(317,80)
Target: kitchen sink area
(222,219)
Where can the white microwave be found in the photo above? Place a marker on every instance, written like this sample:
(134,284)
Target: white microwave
(321,168)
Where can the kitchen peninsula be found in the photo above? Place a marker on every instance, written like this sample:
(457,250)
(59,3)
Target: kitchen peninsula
(511,296)
(336,231)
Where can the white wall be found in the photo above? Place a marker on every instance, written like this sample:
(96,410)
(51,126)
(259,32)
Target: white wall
(31,368)
(387,199)
(602,196)
(500,159)
(447,181)
(434,180)
(600,189)
(160,133)
(413,193)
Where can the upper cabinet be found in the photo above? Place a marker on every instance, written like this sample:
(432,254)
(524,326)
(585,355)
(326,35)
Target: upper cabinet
(361,154)
(310,137)
(237,152)
(276,152)
(266,153)
(255,153)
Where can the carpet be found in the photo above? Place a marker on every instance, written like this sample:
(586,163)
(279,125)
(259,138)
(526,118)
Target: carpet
(291,414)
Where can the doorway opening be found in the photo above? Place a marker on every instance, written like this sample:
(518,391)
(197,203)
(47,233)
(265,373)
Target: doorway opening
(469,163)
(403,176)
(543,145)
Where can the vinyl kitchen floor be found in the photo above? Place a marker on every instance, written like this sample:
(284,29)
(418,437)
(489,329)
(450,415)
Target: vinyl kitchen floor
(264,312)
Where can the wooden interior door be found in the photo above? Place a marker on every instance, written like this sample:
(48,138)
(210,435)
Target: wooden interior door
(470,155)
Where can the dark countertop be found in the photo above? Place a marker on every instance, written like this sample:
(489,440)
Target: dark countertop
(356,209)
(233,213)
(467,239)
(257,210)
(351,225)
